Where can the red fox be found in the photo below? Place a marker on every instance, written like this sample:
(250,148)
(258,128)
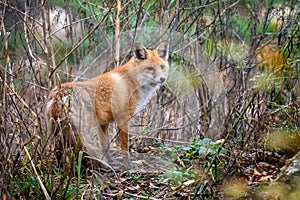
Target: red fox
(113,96)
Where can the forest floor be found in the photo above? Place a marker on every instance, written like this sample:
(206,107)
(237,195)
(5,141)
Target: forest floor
(162,173)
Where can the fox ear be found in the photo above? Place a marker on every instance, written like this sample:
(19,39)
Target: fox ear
(163,50)
(140,52)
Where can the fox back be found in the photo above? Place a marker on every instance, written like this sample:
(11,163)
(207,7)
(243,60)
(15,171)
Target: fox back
(116,95)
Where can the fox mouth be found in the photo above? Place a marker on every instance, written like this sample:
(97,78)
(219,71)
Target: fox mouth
(161,80)
(155,82)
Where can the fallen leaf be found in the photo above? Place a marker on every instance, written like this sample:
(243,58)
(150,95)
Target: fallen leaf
(133,188)
(176,187)
(189,182)
(120,193)
(151,185)
(265,179)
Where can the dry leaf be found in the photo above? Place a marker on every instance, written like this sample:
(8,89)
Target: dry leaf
(120,193)
(176,187)
(189,182)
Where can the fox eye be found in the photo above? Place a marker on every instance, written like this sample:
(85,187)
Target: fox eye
(162,66)
(150,68)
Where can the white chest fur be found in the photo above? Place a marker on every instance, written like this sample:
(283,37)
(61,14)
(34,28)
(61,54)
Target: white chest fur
(146,93)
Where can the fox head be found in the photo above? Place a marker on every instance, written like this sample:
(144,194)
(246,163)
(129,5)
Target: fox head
(153,65)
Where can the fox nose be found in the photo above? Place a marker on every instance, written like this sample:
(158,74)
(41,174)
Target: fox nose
(162,79)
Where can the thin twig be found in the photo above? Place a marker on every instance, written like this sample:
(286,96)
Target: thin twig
(37,175)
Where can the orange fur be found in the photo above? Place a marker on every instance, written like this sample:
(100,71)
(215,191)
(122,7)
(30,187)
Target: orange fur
(113,96)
